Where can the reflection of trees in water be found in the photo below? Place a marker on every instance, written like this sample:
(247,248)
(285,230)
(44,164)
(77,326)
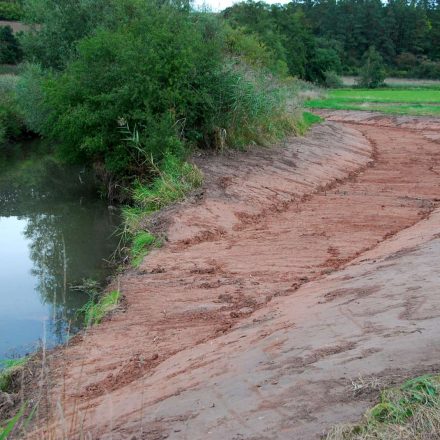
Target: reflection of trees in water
(67,246)
(69,230)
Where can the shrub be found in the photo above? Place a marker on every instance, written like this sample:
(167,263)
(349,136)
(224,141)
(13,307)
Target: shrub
(372,74)
(332,80)
(156,84)
(150,74)
(249,48)
(11,121)
(426,69)
(31,97)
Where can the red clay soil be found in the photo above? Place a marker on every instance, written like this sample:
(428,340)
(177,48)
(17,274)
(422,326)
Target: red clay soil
(281,281)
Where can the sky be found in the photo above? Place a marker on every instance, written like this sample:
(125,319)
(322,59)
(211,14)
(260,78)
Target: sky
(219,5)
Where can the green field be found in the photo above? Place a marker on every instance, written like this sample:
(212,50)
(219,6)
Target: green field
(414,101)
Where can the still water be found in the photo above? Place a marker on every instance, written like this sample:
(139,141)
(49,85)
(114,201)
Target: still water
(55,233)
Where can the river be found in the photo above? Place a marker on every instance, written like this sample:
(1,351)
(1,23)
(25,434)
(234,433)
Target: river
(55,234)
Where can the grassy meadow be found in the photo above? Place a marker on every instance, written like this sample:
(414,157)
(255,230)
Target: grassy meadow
(415,101)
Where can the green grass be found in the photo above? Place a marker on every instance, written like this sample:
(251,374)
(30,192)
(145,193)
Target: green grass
(142,242)
(174,179)
(308,119)
(411,411)
(416,101)
(9,425)
(7,369)
(94,311)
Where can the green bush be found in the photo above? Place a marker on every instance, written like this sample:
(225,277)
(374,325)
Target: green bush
(156,84)
(332,80)
(31,98)
(372,74)
(11,121)
(426,69)
(249,48)
(151,75)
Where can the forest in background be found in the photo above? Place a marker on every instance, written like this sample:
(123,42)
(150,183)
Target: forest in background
(310,37)
(315,36)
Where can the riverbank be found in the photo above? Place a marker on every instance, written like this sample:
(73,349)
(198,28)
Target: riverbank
(55,233)
(279,279)
(254,233)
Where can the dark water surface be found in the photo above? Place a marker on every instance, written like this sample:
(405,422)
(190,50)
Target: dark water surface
(55,232)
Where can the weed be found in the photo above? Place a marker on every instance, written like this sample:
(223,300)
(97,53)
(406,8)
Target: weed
(94,311)
(362,384)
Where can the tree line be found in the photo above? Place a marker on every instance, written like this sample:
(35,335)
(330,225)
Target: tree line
(315,36)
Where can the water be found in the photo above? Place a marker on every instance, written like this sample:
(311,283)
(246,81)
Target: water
(54,233)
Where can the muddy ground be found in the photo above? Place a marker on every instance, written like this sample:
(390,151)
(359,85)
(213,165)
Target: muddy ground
(299,276)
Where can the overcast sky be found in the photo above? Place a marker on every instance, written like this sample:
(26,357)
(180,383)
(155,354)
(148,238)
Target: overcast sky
(218,5)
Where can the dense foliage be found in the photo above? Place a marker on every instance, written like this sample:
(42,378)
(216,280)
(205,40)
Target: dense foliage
(11,10)
(11,122)
(10,49)
(126,85)
(315,36)
(56,27)
(286,32)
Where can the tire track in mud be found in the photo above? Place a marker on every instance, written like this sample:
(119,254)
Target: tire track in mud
(197,288)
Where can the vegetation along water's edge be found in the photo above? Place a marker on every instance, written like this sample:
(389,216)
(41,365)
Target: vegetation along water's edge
(135,113)
(133,90)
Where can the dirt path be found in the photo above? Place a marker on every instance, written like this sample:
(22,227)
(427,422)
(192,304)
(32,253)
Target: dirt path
(246,325)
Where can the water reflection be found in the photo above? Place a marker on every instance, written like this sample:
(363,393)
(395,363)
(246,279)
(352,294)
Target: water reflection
(54,232)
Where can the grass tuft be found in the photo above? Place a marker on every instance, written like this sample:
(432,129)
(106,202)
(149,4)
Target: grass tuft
(142,242)
(94,311)
(308,119)
(408,412)
(8,368)
(174,179)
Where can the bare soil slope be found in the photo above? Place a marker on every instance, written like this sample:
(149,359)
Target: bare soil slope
(280,282)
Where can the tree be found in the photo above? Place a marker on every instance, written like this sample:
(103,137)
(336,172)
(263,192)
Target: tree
(10,50)
(372,73)
(56,27)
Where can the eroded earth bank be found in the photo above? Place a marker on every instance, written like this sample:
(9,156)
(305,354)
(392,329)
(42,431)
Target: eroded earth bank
(296,271)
